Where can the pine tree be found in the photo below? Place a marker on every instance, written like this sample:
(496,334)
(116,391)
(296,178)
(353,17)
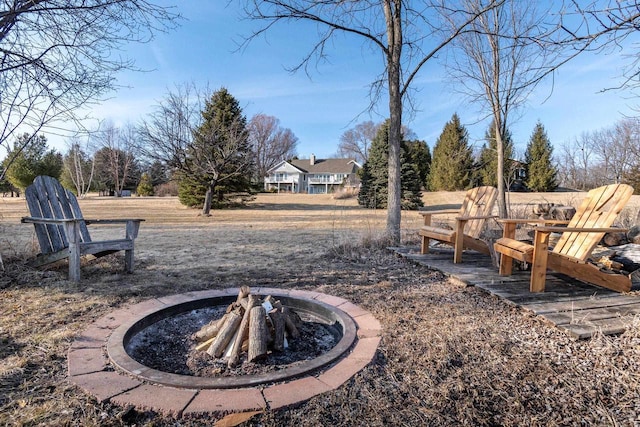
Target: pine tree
(452,161)
(488,161)
(540,172)
(632,177)
(374,175)
(420,156)
(36,159)
(220,157)
(145,187)
(411,184)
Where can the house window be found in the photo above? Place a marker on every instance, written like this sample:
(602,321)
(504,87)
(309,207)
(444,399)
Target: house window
(281,176)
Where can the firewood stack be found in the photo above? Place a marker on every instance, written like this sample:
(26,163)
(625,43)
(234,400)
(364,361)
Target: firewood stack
(249,325)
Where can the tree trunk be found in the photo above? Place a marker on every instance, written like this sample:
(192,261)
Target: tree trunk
(393,19)
(502,199)
(208,197)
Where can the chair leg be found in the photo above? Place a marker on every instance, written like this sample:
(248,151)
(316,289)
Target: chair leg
(506,265)
(539,263)
(73,236)
(458,248)
(128,261)
(424,248)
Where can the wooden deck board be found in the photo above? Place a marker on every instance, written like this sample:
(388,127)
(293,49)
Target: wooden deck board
(578,308)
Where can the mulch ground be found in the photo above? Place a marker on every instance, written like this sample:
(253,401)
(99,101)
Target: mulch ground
(449,355)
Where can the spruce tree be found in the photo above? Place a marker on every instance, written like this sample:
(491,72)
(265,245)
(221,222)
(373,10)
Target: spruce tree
(420,156)
(411,184)
(145,187)
(488,161)
(540,172)
(36,159)
(452,160)
(632,177)
(219,158)
(374,175)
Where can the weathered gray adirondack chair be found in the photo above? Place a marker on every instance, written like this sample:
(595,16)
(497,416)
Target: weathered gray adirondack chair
(62,231)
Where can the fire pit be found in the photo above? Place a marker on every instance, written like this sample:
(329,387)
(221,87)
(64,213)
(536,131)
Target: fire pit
(122,353)
(132,382)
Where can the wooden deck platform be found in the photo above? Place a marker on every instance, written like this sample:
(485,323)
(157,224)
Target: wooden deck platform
(573,306)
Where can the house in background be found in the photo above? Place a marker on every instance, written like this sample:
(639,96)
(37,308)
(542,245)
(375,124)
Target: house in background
(313,176)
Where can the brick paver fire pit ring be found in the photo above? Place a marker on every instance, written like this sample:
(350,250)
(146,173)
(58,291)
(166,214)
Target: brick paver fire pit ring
(101,348)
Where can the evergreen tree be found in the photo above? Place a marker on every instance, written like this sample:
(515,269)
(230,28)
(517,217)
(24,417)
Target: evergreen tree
(411,184)
(632,177)
(36,159)
(374,175)
(158,172)
(452,161)
(488,161)
(219,159)
(145,187)
(420,156)
(366,195)
(540,172)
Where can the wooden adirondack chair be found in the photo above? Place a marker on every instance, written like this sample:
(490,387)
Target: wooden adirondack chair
(476,209)
(62,231)
(569,256)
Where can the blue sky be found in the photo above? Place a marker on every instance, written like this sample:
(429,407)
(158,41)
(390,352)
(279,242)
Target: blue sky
(320,108)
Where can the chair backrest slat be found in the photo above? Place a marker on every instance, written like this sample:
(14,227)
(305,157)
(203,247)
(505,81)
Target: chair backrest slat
(46,198)
(599,209)
(478,201)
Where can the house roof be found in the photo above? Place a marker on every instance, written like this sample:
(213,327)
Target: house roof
(326,165)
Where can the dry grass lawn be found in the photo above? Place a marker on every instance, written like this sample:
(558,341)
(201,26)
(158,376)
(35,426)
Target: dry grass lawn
(450,355)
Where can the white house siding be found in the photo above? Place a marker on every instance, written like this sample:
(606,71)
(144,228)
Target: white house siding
(313,177)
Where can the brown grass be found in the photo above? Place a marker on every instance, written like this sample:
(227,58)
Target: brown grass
(449,355)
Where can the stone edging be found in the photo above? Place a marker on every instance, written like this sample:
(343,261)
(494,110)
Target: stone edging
(89,367)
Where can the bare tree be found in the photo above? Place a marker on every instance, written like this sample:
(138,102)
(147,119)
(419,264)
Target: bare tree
(116,154)
(616,150)
(58,55)
(79,166)
(402,33)
(270,143)
(167,133)
(498,64)
(597,25)
(356,142)
(578,164)
(183,134)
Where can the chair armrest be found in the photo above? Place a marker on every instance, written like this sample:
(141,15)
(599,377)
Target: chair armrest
(510,224)
(34,220)
(111,221)
(544,229)
(440,212)
(532,221)
(468,218)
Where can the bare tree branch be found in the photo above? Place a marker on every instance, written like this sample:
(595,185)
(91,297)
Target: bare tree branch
(58,55)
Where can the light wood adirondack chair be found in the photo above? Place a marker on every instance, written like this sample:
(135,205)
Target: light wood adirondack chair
(476,209)
(592,220)
(62,231)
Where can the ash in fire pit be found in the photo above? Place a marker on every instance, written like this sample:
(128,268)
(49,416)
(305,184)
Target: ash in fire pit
(216,341)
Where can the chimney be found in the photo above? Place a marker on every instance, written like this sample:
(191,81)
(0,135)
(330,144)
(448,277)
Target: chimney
(312,159)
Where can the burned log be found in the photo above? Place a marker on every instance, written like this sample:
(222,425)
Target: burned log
(245,328)
(243,331)
(257,334)
(277,320)
(225,335)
